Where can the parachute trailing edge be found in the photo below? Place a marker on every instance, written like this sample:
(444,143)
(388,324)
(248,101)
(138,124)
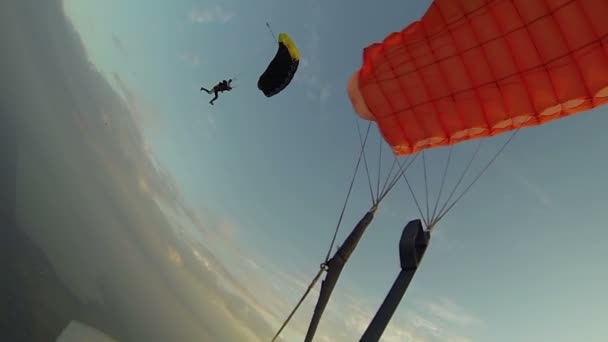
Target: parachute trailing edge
(282,68)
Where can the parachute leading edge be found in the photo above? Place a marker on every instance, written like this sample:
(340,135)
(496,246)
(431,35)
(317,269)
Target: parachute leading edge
(470,69)
(281,69)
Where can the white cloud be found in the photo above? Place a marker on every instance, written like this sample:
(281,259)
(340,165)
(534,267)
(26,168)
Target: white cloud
(253,264)
(118,43)
(324,93)
(145,114)
(349,312)
(191,58)
(517,170)
(447,310)
(276,291)
(211,120)
(536,190)
(319,89)
(216,14)
(273,291)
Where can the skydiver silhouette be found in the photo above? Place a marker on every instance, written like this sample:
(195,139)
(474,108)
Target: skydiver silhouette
(219,88)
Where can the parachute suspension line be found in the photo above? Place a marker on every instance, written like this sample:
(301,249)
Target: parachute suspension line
(430,220)
(271,32)
(369,179)
(424,219)
(379,166)
(464,173)
(479,175)
(388,185)
(443,178)
(399,174)
(310,287)
(327,257)
(350,188)
(426,184)
(390,172)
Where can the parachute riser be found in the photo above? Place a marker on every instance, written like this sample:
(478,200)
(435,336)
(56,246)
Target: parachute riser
(354,237)
(334,267)
(412,246)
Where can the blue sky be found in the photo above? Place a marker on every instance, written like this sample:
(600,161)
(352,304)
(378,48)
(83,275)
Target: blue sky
(519,258)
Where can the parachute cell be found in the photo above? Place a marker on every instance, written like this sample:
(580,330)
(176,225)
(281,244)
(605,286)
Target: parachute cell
(281,69)
(471,69)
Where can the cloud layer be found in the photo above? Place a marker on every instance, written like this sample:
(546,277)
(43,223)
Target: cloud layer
(206,15)
(91,195)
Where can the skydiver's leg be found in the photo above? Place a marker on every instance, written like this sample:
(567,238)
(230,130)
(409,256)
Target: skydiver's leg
(208,91)
(214,98)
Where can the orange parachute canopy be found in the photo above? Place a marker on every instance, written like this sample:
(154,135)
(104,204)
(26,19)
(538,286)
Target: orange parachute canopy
(476,68)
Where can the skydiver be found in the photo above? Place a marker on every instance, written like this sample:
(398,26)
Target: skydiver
(219,88)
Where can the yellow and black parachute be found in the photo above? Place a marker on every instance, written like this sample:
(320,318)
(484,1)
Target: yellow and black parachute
(281,69)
